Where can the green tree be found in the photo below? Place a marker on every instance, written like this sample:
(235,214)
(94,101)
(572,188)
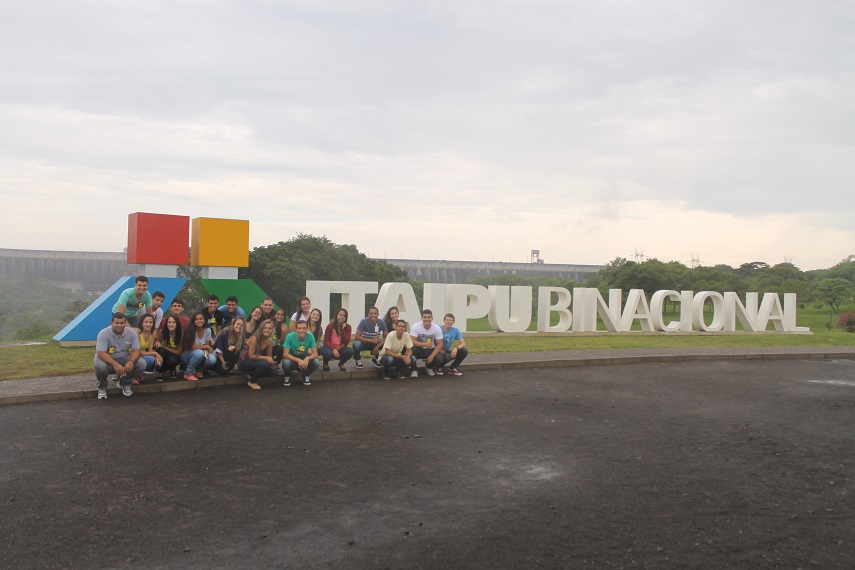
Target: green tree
(833,291)
(32,328)
(282,269)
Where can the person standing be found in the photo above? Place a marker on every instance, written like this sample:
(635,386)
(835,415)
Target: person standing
(117,351)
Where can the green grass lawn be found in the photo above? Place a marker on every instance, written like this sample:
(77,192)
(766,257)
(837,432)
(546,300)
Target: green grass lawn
(51,360)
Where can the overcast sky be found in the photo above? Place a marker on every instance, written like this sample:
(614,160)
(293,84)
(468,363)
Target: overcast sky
(464,129)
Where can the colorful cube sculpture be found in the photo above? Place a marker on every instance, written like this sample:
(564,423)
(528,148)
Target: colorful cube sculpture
(158,239)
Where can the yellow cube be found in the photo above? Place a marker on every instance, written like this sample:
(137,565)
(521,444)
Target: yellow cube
(217,242)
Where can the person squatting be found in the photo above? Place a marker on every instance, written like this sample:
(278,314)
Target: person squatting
(144,344)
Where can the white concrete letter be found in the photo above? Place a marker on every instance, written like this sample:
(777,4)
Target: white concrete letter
(657,307)
(466,302)
(545,309)
(747,313)
(698,311)
(636,308)
(399,295)
(771,310)
(790,306)
(511,308)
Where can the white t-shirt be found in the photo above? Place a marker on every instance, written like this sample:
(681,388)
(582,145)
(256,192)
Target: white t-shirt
(422,334)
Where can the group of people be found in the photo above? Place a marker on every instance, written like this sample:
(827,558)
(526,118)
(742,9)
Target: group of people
(144,343)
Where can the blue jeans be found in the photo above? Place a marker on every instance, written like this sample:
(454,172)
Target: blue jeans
(150,362)
(389,364)
(102,370)
(359,346)
(196,360)
(289,366)
(344,354)
(423,353)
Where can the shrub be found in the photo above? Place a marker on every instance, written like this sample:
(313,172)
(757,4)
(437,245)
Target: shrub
(847,321)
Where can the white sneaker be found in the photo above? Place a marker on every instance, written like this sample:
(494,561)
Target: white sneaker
(414,374)
(102,394)
(430,371)
(126,390)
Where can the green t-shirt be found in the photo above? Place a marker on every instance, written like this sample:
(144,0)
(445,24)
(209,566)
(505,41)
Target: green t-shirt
(299,348)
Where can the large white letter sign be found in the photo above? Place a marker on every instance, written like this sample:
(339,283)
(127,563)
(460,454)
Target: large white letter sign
(588,303)
(657,310)
(545,308)
(636,308)
(434,298)
(352,295)
(747,313)
(771,310)
(790,314)
(459,296)
(399,295)
(512,315)
(698,311)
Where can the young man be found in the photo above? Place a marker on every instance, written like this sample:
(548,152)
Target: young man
(117,351)
(213,317)
(267,309)
(175,309)
(231,310)
(370,334)
(453,354)
(135,301)
(300,353)
(398,352)
(427,344)
(157,300)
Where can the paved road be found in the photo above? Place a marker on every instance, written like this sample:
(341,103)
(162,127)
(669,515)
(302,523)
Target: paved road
(673,465)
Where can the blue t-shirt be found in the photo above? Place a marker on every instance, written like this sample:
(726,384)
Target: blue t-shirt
(449,336)
(372,330)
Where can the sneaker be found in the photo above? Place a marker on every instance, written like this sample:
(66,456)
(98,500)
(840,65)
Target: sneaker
(375,362)
(287,381)
(113,377)
(190,377)
(455,372)
(358,362)
(307,380)
(160,377)
(414,374)
(199,375)
(439,372)
(326,367)
(398,374)
(126,390)
(386,376)
(430,371)
(102,394)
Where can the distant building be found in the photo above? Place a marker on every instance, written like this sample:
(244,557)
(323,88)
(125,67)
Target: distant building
(443,271)
(95,272)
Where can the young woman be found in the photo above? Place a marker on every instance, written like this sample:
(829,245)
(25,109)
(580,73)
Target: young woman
(197,348)
(253,321)
(336,339)
(228,345)
(148,340)
(168,346)
(390,318)
(454,354)
(301,313)
(316,327)
(258,361)
(280,331)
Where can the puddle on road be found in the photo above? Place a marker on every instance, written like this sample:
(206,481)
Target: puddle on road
(834,382)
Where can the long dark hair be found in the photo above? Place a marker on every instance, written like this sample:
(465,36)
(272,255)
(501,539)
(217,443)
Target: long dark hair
(257,334)
(319,330)
(387,318)
(190,331)
(166,337)
(338,327)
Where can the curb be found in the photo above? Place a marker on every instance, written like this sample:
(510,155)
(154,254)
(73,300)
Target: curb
(373,374)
